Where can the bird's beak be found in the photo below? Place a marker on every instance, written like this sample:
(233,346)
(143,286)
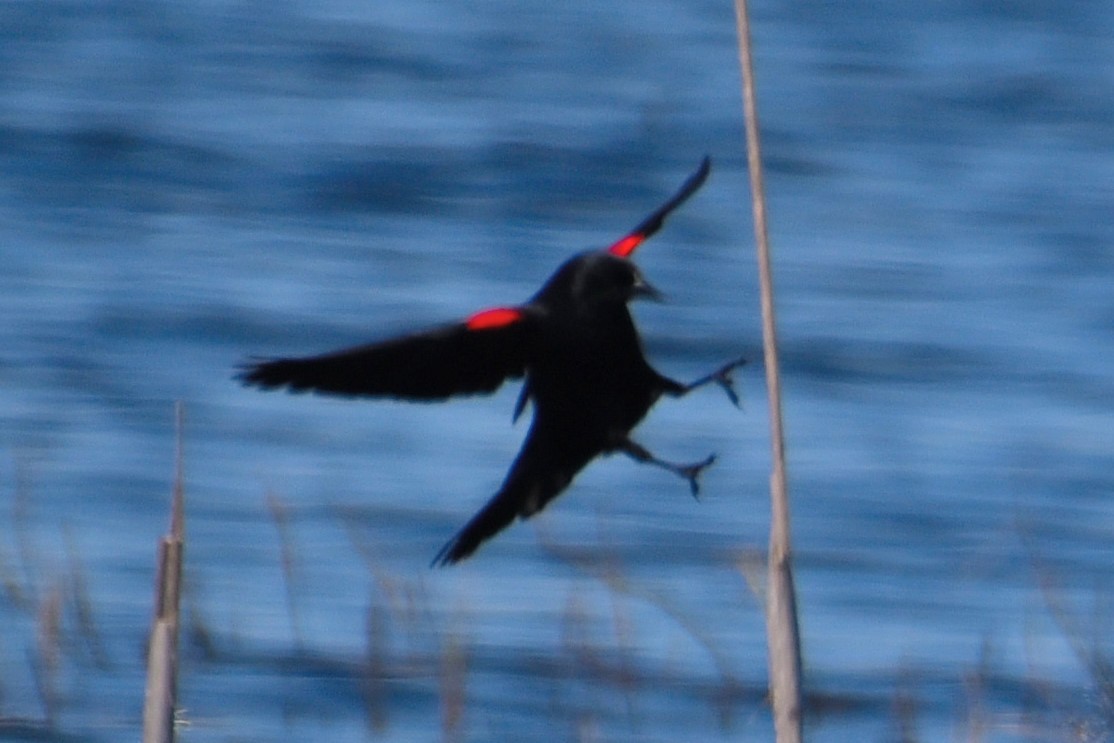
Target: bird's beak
(642,289)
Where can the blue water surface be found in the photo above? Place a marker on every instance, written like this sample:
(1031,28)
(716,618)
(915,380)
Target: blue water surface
(184,186)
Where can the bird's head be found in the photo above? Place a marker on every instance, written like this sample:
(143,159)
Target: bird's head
(596,278)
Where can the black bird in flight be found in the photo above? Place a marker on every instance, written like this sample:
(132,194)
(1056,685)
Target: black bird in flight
(576,345)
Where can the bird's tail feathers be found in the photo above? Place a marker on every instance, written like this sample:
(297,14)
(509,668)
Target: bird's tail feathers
(534,480)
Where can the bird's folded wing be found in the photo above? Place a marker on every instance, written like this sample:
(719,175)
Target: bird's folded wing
(466,358)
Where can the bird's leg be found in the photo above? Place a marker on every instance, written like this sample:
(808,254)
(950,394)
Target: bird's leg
(722,376)
(690,472)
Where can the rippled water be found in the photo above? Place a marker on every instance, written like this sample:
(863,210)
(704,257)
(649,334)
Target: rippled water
(185,186)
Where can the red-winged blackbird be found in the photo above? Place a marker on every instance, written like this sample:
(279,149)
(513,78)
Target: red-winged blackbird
(575,343)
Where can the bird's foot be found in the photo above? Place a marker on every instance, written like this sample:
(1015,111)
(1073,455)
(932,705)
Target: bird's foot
(723,377)
(692,471)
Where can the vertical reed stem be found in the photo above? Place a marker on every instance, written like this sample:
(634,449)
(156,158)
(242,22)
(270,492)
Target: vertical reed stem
(782,633)
(162,652)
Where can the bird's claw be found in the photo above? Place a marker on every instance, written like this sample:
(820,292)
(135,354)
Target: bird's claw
(692,471)
(725,378)
(726,381)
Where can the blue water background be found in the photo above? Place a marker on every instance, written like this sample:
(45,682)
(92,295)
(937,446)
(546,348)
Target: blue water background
(183,186)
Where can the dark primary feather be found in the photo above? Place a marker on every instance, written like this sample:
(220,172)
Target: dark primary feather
(451,360)
(653,222)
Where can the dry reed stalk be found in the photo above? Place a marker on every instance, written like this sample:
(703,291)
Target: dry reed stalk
(453,682)
(377,667)
(29,560)
(1085,645)
(48,658)
(906,706)
(83,603)
(280,515)
(162,652)
(782,631)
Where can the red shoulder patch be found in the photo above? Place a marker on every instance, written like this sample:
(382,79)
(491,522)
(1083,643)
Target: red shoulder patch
(623,248)
(494,318)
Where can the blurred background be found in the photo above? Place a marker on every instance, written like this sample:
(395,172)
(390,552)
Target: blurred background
(184,186)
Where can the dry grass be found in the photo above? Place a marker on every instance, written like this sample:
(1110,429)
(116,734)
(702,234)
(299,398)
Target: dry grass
(280,515)
(599,679)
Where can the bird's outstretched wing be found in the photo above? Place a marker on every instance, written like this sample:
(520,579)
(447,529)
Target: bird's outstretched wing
(624,246)
(549,460)
(472,357)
